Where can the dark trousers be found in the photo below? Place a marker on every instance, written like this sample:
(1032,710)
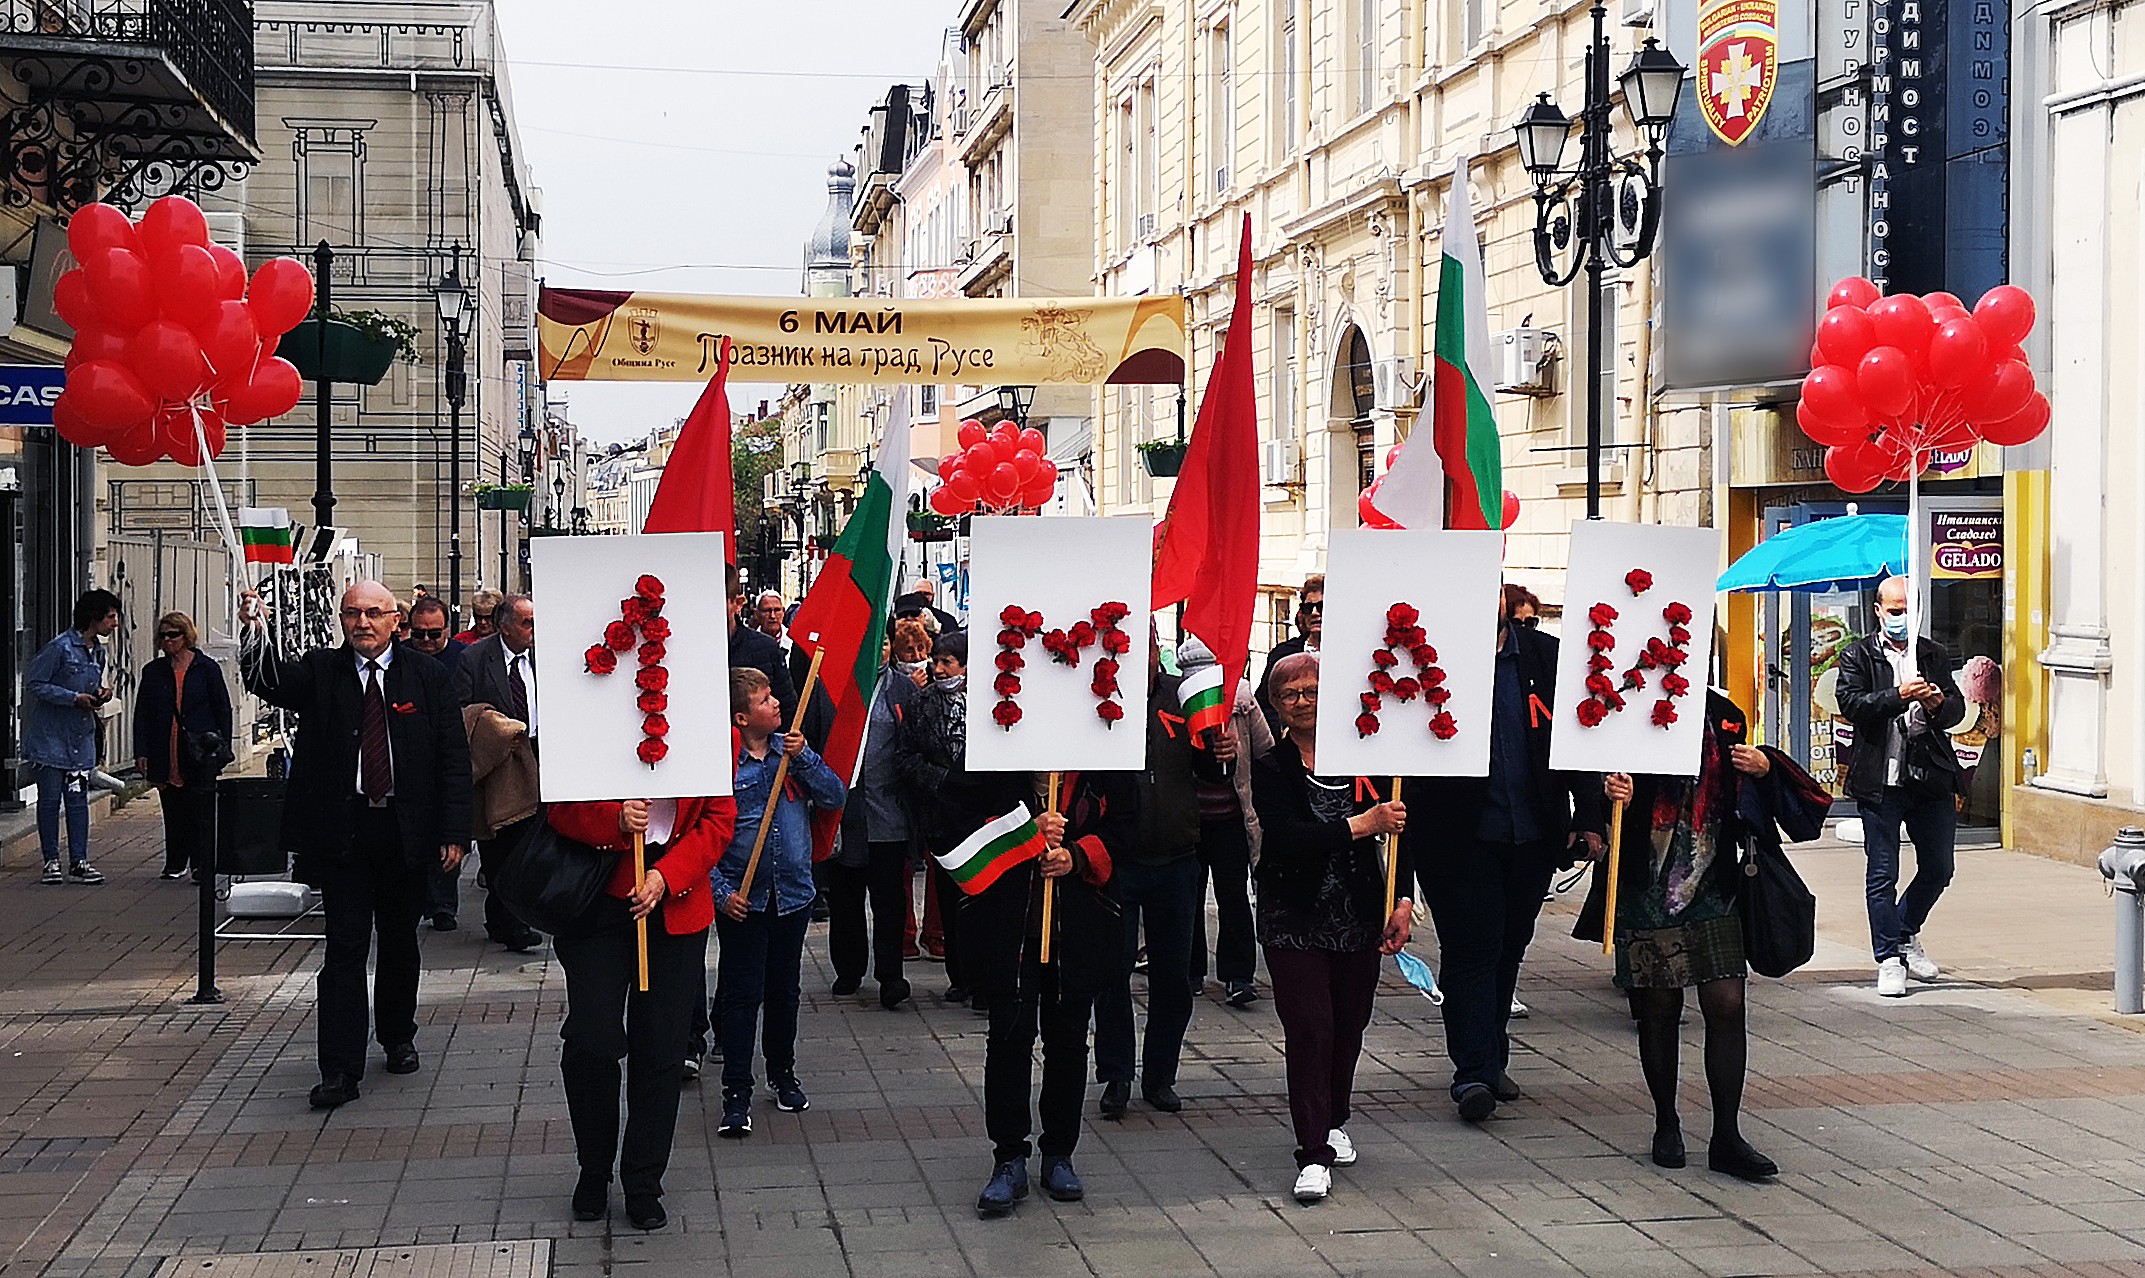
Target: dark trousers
(609,1020)
(1484,898)
(373,889)
(758,969)
(443,892)
(1932,821)
(1225,857)
(1323,998)
(499,921)
(884,879)
(1061,1016)
(1166,896)
(189,826)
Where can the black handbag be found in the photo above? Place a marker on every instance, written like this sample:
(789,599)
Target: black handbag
(204,754)
(549,881)
(1779,912)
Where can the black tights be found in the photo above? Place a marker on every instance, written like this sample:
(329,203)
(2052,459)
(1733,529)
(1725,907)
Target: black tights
(1659,1014)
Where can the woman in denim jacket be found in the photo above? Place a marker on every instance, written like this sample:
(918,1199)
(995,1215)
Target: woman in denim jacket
(66,684)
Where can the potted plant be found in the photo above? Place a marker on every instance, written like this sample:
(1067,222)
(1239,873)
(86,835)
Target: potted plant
(1162,457)
(502,496)
(929,525)
(360,346)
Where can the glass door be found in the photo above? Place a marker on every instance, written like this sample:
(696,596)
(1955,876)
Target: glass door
(1962,578)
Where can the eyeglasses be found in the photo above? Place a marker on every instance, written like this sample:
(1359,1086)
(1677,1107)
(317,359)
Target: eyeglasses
(1313,606)
(433,633)
(168,635)
(367,614)
(1290,696)
(481,616)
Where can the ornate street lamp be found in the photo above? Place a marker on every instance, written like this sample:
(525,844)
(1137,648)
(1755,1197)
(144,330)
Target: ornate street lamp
(1014,403)
(1577,211)
(455,313)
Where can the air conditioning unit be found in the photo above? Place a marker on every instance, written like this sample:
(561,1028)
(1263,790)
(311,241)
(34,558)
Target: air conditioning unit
(1393,383)
(227,229)
(1637,13)
(1522,360)
(1000,222)
(1282,463)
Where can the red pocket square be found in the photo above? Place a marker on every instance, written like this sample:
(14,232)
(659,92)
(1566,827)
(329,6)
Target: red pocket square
(405,707)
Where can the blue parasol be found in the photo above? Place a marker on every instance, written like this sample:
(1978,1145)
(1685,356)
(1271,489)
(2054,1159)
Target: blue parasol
(1828,555)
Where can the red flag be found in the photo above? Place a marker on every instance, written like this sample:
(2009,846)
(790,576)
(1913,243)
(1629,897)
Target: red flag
(696,491)
(1206,553)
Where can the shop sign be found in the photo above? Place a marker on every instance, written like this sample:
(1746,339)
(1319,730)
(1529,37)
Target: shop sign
(27,393)
(1966,545)
(1766,447)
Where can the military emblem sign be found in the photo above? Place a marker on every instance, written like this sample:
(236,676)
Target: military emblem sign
(1738,64)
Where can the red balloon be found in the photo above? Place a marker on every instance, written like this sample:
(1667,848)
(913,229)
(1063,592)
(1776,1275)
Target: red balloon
(1852,291)
(1902,320)
(1950,436)
(1511,509)
(947,465)
(971,433)
(1006,433)
(230,343)
(167,359)
(77,429)
(1942,298)
(92,344)
(271,391)
(2021,427)
(1957,353)
(1845,334)
(2006,314)
(175,434)
(230,273)
(281,294)
(136,448)
(269,342)
(1855,469)
(1370,515)
(1942,315)
(97,227)
(964,487)
(70,297)
(1039,490)
(107,395)
(1032,440)
(1999,393)
(186,283)
(1004,482)
(119,288)
(945,503)
(1027,465)
(1829,393)
(1885,380)
(171,222)
(1828,433)
(979,459)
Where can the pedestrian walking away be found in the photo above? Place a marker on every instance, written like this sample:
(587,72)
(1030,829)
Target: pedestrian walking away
(500,672)
(182,740)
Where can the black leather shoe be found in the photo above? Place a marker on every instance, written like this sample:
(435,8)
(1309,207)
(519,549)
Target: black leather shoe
(1668,1148)
(1008,1185)
(331,1092)
(893,994)
(591,1197)
(1061,1182)
(646,1213)
(1164,1098)
(1733,1156)
(402,1058)
(523,942)
(1504,1089)
(847,985)
(1476,1102)
(1116,1097)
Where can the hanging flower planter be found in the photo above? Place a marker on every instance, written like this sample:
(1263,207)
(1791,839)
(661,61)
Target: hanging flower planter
(502,497)
(360,347)
(1163,457)
(929,526)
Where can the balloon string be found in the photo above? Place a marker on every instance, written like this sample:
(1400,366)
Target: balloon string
(224,526)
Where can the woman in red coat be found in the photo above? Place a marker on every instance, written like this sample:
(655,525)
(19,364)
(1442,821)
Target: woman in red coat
(608,1020)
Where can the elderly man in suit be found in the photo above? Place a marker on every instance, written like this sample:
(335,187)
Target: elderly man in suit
(378,794)
(500,672)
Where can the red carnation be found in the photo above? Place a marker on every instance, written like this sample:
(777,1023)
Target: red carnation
(1679,635)
(1013,615)
(1116,642)
(1599,683)
(1443,727)
(1082,634)
(1434,676)
(1110,712)
(1425,656)
(1104,685)
(1366,725)
(1381,682)
(1032,622)
(1006,714)
(1438,696)
(652,679)
(1370,702)
(656,725)
(1114,611)
(1401,614)
(1591,713)
(1677,614)
(652,702)
(656,628)
(652,750)
(1664,713)
(1634,678)
(1615,701)
(1407,689)
(1396,637)
(1600,640)
(618,635)
(1011,637)
(1414,637)
(1384,659)
(601,660)
(652,653)
(1675,657)
(649,588)
(1006,685)
(1639,580)
(634,610)
(1675,685)
(1598,662)
(1011,661)
(1601,615)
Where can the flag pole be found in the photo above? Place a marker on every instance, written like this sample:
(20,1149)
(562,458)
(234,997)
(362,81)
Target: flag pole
(1392,862)
(640,925)
(774,795)
(1050,885)
(1608,896)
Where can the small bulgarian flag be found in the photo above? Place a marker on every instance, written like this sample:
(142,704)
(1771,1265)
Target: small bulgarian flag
(1001,844)
(266,533)
(1206,703)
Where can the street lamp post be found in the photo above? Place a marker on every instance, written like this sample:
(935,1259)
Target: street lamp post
(323,394)
(454,314)
(1577,210)
(1014,403)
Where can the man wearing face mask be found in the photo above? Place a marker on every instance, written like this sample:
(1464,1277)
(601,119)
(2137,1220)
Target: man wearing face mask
(1902,771)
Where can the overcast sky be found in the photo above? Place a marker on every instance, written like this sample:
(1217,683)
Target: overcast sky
(682,146)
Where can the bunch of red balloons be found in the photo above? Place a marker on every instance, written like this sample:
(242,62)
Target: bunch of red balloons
(999,469)
(1895,379)
(170,332)
(1367,501)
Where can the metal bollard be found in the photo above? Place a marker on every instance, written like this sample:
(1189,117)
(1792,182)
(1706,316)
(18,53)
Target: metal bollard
(2123,865)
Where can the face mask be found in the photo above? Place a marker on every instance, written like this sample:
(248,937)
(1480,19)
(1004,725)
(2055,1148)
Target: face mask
(908,667)
(1895,627)
(954,684)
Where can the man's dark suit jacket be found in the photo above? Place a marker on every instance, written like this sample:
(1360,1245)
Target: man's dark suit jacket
(480,678)
(424,730)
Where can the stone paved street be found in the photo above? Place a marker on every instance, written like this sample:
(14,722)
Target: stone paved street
(1991,1124)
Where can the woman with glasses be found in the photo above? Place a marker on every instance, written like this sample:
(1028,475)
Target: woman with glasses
(1322,919)
(182,739)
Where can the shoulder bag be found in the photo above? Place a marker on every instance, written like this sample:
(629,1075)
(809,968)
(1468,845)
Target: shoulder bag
(1778,910)
(550,881)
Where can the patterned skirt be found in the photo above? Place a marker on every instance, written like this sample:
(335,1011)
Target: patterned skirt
(1657,953)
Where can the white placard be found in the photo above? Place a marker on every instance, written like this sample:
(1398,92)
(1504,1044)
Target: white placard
(1683,563)
(592,726)
(1063,569)
(1451,579)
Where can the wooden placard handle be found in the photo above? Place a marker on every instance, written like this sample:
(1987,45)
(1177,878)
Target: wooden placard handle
(1050,886)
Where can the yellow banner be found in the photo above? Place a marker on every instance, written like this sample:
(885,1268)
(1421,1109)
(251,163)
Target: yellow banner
(593,335)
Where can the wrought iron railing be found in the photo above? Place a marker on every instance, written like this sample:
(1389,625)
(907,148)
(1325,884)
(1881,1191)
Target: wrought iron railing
(210,42)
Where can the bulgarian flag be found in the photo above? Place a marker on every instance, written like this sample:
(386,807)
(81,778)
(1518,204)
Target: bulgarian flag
(267,535)
(1206,699)
(985,856)
(844,616)
(1462,424)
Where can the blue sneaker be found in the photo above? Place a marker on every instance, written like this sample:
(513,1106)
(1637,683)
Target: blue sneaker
(736,1116)
(789,1098)
(1009,1184)
(1061,1182)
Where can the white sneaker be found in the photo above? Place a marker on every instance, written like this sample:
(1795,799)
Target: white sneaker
(1919,965)
(1313,1183)
(1892,978)
(1344,1149)
(1519,1010)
